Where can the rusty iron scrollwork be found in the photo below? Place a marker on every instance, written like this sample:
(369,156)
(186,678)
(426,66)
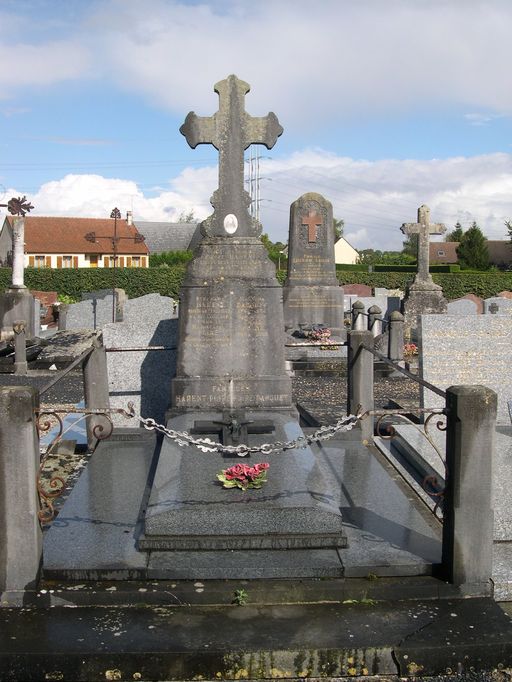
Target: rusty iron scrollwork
(431,484)
(47,419)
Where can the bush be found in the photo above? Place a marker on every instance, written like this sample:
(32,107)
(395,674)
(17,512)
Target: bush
(170,258)
(167,281)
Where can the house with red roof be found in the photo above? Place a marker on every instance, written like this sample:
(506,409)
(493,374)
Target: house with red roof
(61,242)
(500,253)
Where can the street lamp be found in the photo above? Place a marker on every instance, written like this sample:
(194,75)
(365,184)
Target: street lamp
(93,237)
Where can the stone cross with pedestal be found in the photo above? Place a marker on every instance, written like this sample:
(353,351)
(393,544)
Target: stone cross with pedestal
(422,295)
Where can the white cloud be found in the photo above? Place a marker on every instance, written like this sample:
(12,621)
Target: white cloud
(374,198)
(322,62)
(310,62)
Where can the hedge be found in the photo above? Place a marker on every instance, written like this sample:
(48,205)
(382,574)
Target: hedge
(72,282)
(167,281)
(382,267)
(455,285)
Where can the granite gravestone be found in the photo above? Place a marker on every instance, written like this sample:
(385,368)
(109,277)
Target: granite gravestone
(462,306)
(422,296)
(498,305)
(471,349)
(311,293)
(231,372)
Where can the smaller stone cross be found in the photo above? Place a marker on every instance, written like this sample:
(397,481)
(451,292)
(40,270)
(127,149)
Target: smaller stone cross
(423,228)
(312,220)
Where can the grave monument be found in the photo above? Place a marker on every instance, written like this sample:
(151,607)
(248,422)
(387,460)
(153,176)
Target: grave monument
(423,296)
(231,385)
(311,293)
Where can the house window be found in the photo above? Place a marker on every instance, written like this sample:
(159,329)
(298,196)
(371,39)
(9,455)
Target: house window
(39,261)
(441,253)
(67,261)
(135,261)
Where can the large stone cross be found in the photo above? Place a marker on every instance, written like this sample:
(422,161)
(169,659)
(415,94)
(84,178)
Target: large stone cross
(423,228)
(312,220)
(231,130)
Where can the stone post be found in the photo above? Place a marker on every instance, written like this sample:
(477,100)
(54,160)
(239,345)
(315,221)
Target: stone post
(18,253)
(96,391)
(20,532)
(396,336)
(358,321)
(375,320)
(20,347)
(468,508)
(360,379)
(63,313)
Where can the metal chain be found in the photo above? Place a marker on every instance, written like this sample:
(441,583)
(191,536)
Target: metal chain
(206,445)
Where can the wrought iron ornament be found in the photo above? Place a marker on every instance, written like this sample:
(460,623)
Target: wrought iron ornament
(18,206)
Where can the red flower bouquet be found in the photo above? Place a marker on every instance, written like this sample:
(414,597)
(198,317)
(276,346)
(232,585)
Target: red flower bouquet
(244,476)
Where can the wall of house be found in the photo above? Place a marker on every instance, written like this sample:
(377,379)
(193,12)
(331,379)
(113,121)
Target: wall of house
(80,260)
(5,244)
(344,253)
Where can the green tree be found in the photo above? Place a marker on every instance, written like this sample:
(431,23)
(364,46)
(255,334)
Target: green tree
(338,225)
(472,250)
(456,234)
(274,250)
(187,217)
(508,225)
(410,246)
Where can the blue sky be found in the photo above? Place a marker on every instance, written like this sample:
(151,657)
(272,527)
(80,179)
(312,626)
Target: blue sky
(386,104)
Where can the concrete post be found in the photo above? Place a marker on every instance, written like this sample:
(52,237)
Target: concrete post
(20,532)
(375,320)
(358,321)
(396,336)
(63,312)
(18,253)
(468,509)
(96,391)
(360,379)
(20,347)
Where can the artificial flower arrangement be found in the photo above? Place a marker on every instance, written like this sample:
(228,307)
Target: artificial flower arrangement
(410,349)
(244,476)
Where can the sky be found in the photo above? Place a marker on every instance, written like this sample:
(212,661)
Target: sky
(385,105)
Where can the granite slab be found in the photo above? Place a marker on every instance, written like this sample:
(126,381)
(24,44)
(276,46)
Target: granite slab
(189,509)
(95,533)
(142,377)
(389,532)
(473,349)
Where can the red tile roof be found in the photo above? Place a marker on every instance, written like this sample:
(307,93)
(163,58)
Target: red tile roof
(443,252)
(67,235)
(500,252)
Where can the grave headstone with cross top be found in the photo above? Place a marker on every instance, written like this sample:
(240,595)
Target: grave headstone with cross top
(231,353)
(423,295)
(311,293)
(231,386)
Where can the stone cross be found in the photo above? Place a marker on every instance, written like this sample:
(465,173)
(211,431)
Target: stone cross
(231,130)
(423,228)
(312,220)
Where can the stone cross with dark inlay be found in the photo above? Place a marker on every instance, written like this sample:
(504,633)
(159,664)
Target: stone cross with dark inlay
(233,428)
(423,228)
(231,130)
(312,220)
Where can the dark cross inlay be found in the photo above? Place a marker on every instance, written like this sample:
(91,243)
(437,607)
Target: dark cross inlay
(493,308)
(231,130)
(234,428)
(312,220)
